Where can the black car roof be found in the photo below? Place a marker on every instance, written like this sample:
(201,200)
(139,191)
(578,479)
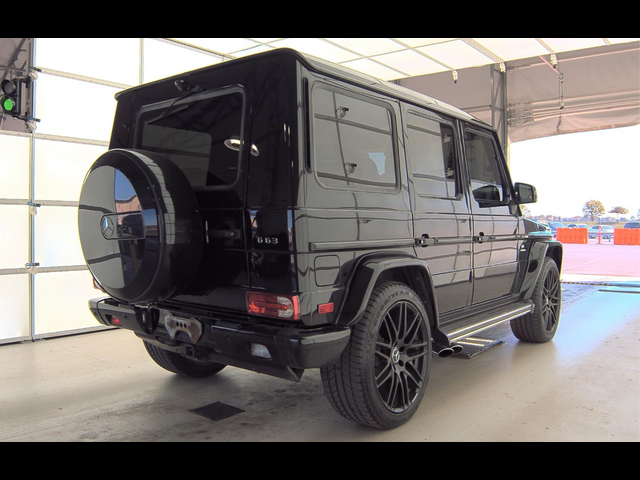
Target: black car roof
(325,67)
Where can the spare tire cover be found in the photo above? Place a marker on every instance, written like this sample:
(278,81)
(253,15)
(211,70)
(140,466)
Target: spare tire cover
(140,227)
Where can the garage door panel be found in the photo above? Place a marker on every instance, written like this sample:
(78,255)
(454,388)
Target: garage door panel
(61,302)
(14,307)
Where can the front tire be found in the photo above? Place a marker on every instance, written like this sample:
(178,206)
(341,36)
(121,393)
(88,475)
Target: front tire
(381,377)
(180,365)
(540,326)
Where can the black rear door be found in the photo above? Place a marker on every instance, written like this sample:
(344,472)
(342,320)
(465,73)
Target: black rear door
(440,211)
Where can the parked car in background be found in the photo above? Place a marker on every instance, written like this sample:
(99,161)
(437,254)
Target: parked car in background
(554,226)
(632,225)
(606,231)
(577,225)
(539,229)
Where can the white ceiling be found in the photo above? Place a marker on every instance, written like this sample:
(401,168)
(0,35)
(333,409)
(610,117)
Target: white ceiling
(395,58)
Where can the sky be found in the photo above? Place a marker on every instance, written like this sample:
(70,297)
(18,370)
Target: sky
(568,170)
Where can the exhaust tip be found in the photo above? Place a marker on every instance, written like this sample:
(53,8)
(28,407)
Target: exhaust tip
(446,352)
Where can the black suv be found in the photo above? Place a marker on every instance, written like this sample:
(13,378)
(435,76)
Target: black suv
(278,213)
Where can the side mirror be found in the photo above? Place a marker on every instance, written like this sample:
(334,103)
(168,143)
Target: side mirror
(525,193)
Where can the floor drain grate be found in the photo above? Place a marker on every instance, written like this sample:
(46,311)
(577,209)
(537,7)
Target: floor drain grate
(217,411)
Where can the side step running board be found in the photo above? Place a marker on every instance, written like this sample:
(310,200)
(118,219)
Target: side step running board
(464,327)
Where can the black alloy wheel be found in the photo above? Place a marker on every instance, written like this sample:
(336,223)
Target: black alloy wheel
(381,376)
(541,324)
(551,301)
(401,356)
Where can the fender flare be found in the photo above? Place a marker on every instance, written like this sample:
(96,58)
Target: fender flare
(366,273)
(539,250)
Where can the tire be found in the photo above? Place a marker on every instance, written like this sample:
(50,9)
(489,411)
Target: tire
(381,377)
(140,226)
(541,325)
(180,365)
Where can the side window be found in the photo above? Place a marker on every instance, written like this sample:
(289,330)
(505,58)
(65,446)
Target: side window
(353,141)
(487,180)
(432,154)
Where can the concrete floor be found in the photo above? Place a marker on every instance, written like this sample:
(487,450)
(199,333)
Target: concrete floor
(583,386)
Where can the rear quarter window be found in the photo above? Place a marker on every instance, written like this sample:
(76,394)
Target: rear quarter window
(353,143)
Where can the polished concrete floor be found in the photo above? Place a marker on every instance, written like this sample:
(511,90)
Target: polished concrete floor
(583,386)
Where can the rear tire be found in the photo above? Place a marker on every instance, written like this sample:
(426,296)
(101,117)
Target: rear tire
(180,365)
(381,377)
(540,326)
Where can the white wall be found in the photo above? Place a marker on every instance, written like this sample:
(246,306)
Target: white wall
(74,100)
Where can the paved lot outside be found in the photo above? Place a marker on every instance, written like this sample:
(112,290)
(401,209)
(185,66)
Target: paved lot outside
(599,262)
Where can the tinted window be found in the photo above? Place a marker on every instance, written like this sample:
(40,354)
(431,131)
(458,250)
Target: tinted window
(201,136)
(487,181)
(432,153)
(353,142)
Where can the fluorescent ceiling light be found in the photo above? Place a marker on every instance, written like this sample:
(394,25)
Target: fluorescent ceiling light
(410,62)
(368,46)
(513,48)
(456,54)
(374,69)
(318,48)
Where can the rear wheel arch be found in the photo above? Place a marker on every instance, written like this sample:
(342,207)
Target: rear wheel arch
(410,271)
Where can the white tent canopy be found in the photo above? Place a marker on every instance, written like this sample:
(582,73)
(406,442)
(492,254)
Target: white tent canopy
(553,85)
(541,86)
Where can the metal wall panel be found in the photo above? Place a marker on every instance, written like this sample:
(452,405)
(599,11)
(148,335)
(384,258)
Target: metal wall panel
(14,308)
(60,168)
(61,302)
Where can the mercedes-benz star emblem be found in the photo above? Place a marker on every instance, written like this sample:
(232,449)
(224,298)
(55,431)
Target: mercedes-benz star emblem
(106,226)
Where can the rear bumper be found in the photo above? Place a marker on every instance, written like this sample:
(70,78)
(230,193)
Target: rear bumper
(227,340)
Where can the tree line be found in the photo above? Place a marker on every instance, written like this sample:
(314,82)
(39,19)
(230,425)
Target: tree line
(594,210)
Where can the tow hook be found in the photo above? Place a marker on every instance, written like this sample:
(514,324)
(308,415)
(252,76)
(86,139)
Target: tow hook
(189,352)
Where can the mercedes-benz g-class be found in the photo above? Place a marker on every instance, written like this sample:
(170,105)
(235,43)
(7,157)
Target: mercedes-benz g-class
(279,213)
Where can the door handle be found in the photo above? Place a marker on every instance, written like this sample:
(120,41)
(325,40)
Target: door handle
(482,238)
(425,241)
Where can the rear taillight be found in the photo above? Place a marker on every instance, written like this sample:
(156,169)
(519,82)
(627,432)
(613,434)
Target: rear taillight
(284,307)
(113,320)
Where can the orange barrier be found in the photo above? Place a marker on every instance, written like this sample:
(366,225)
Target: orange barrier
(626,236)
(572,235)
